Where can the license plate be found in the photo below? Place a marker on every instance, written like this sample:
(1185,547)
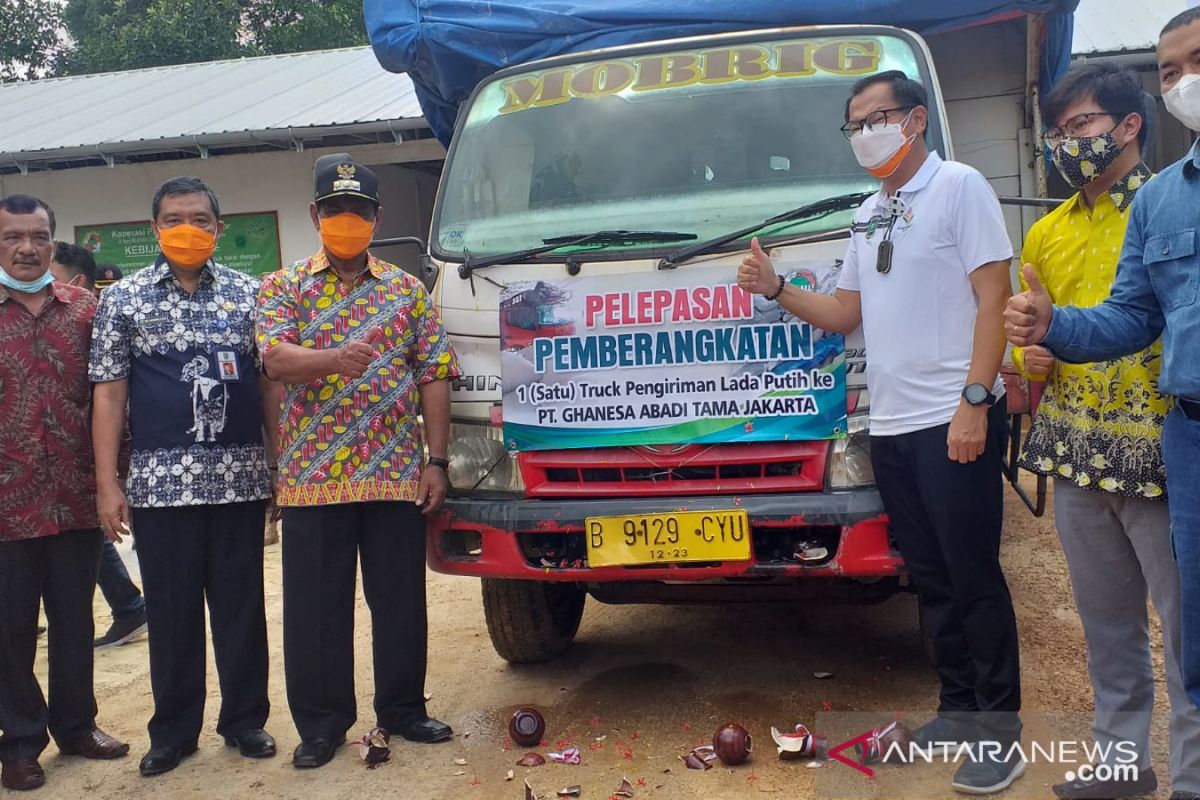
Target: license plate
(668,538)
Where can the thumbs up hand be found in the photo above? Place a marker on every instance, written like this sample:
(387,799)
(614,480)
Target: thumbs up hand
(356,357)
(1027,317)
(757,273)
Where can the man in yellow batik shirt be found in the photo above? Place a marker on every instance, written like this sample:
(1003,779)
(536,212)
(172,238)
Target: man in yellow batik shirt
(1097,432)
(363,355)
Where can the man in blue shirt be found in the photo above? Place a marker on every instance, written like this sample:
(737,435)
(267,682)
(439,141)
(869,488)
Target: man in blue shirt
(174,343)
(1156,293)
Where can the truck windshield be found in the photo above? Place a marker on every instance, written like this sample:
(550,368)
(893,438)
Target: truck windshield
(705,140)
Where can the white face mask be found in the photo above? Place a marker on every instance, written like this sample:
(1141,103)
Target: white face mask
(876,147)
(1183,101)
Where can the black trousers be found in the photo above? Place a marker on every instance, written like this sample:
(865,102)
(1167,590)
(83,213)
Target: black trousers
(186,554)
(946,518)
(59,571)
(321,545)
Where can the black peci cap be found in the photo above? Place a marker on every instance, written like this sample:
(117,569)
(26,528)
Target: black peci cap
(338,174)
(107,275)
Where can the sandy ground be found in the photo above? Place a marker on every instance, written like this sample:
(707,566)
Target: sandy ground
(650,680)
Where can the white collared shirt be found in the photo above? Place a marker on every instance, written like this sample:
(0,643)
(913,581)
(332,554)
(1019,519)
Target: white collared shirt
(919,318)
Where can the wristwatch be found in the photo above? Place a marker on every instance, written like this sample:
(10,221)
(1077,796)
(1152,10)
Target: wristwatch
(434,461)
(977,394)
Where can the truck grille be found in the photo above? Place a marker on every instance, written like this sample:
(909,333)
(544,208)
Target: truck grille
(669,470)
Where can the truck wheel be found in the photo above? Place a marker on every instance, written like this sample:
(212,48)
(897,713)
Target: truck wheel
(531,621)
(926,637)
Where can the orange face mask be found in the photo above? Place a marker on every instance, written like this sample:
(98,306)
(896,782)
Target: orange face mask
(186,246)
(888,167)
(346,235)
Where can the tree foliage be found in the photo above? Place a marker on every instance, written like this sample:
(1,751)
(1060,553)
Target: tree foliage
(131,34)
(128,34)
(29,37)
(290,26)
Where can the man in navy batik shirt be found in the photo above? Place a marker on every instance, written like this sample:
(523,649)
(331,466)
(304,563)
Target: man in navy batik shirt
(176,340)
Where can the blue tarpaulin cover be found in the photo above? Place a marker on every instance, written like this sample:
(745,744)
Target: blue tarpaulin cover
(449,46)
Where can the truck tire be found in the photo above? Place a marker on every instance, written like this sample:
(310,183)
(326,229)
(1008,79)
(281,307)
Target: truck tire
(531,621)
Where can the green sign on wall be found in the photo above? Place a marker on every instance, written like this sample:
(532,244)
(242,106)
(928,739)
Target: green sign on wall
(249,244)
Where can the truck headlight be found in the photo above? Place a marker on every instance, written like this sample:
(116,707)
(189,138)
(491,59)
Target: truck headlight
(479,460)
(850,461)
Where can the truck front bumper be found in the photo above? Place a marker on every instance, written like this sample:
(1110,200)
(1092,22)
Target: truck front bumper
(519,538)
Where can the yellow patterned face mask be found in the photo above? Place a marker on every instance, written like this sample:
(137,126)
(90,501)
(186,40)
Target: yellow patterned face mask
(1082,159)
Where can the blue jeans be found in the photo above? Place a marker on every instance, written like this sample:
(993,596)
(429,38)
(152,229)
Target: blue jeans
(1181,451)
(122,596)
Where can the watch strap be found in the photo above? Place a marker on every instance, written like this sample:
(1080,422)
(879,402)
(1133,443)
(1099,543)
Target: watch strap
(989,397)
(434,461)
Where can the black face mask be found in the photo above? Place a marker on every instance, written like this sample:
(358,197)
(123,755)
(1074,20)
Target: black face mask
(1082,159)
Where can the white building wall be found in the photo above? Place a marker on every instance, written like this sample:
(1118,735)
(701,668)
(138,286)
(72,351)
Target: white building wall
(252,182)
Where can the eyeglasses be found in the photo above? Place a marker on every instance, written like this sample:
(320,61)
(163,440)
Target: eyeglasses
(1077,126)
(876,119)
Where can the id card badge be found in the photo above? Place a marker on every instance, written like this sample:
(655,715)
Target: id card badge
(227,366)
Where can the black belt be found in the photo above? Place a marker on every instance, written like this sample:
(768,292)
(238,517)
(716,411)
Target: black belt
(1190,408)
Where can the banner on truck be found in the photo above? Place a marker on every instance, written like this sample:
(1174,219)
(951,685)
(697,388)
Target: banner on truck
(679,358)
(249,244)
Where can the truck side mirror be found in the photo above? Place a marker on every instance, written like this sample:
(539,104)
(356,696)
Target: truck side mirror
(427,271)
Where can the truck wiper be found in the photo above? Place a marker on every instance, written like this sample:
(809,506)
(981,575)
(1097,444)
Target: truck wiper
(598,238)
(831,205)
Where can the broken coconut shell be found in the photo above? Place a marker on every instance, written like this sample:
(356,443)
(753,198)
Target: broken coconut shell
(732,744)
(531,760)
(694,761)
(571,755)
(373,748)
(570,791)
(800,744)
(526,727)
(875,747)
(625,789)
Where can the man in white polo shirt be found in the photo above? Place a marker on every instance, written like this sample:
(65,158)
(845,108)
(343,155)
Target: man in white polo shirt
(926,274)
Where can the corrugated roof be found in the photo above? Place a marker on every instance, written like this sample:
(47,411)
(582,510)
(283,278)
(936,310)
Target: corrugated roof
(1122,26)
(217,103)
(277,98)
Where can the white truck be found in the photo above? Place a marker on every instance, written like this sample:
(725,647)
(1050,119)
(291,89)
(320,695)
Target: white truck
(644,160)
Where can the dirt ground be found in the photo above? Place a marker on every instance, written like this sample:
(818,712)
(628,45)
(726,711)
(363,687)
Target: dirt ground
(650,680)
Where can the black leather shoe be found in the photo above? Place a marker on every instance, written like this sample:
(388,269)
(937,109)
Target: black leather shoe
(254,743)
(425,731)
(163,759)
(315,753)
(22,775)
(95,744)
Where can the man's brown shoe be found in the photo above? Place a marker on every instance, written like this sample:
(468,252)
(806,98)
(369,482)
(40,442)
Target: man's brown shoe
(97,744)
(22,774)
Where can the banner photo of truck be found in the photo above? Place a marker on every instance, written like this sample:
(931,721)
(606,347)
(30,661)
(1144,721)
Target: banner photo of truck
(585,364)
